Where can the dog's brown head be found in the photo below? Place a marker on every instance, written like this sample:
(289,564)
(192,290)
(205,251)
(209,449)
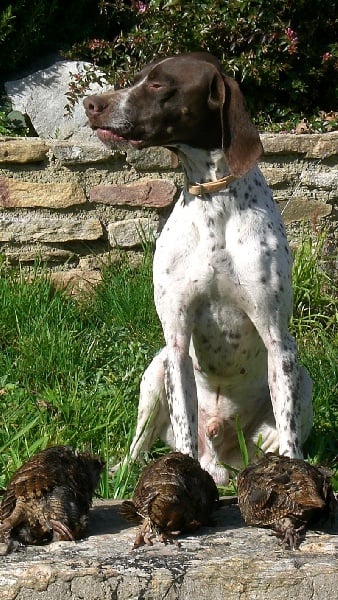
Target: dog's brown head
(183,99)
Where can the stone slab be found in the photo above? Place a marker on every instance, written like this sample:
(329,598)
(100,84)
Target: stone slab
(299,208)
(69,153)
(226,561)
(327,180)
(132,232)
(15,193)
(147,193)
(317,145)
(47,229)
(22,150)
(157,157)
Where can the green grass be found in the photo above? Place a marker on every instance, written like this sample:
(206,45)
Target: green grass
(70,368)
(315,325)
(314,297)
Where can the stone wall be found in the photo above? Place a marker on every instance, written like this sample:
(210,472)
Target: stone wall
(73,204)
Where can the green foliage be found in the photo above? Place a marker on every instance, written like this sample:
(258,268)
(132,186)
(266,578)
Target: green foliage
(30,29)
(13,123)
(314,299)
(242,443)
(286,120)
(4,129)
(24,26)
(6,23)
(284,54)
(319,354)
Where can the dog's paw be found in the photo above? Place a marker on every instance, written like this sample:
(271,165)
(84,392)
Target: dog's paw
(219,474)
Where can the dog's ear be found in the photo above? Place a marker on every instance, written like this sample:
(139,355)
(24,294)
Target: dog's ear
(216,96)
(242,145)
(240,139)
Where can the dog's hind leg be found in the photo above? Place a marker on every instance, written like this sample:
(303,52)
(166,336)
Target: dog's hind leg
(153,420)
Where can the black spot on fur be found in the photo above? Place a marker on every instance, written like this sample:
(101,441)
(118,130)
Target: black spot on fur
(293,423)
(287,366)
(234,335)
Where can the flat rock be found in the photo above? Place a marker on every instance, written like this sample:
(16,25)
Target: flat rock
(75,281)
(132,232)
(48,229)
(227,560)
(316,145)
(146,193)
(22,150)
(15,193)
(43,97)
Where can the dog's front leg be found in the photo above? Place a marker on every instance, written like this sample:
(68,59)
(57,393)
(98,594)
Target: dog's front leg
(286,394)
(174,295)
(181,392)
(290,386)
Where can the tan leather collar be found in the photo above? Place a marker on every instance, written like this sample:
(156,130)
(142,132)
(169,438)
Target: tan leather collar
(199,189)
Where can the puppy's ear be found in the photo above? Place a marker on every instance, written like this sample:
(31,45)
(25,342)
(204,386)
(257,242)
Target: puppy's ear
(241,143)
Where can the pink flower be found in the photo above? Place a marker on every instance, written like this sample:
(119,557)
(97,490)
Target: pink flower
(326,56)
(96,44)
(140,6)
(291,34)
(292,47)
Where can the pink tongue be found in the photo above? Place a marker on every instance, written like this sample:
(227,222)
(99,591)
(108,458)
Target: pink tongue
(109,136)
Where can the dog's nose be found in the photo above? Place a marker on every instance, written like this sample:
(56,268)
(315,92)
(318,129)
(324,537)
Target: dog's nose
(95,104)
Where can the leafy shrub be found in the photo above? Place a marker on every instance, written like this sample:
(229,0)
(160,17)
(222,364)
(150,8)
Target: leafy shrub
(23,28)
(284,54)
(30,29)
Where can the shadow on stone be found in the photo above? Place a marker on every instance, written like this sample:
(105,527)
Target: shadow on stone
(226,560)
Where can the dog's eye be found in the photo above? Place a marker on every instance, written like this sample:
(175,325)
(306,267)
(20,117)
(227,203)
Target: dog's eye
(154,85)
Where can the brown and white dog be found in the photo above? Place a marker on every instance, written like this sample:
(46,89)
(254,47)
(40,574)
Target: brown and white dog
(222,272)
